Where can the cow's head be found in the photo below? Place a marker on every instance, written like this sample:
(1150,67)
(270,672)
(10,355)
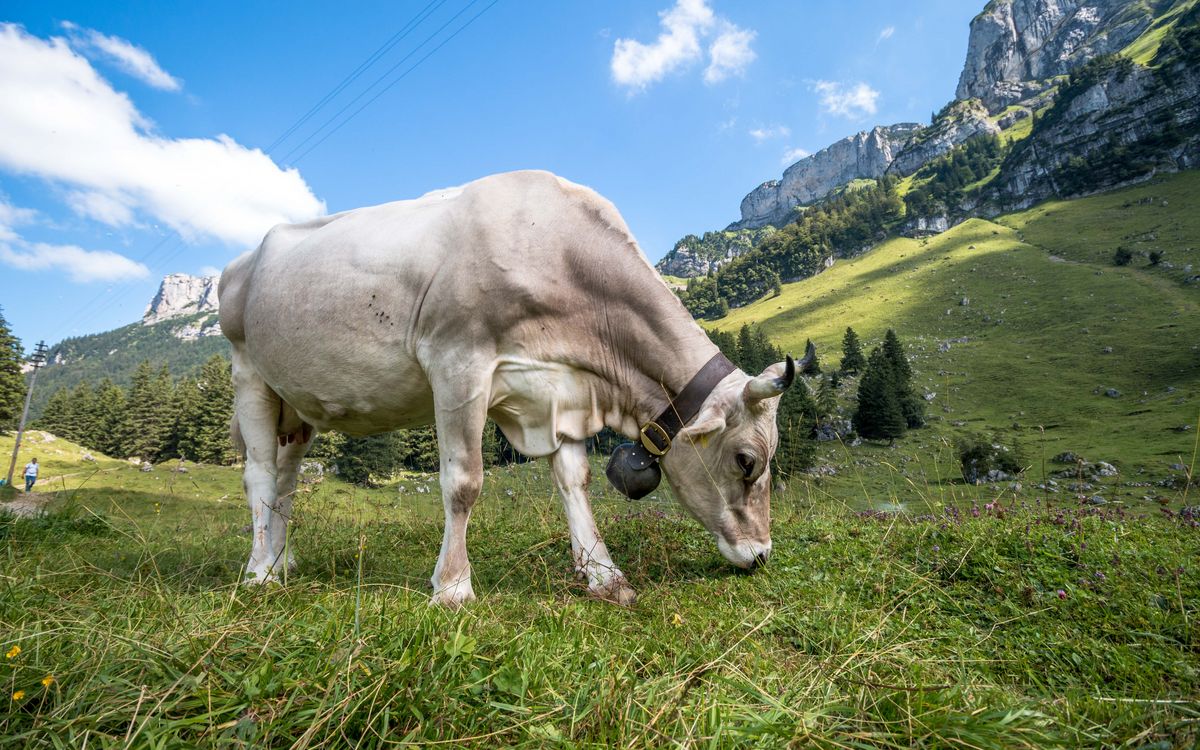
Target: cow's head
(720,464)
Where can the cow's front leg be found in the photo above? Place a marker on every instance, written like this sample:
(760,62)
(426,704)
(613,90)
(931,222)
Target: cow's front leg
(460,448)
(592,561)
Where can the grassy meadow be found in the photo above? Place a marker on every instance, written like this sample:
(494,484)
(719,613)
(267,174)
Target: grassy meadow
(901,607)
(1004,621)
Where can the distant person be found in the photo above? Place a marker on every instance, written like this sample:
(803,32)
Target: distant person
(31,472)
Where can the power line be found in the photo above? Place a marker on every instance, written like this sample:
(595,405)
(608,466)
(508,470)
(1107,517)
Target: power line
(177,247)
(386,47)
(297,147)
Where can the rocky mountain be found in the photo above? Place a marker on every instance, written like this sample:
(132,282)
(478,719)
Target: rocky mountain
(865,155)
(697,256)
(1017,46)
(181,294)
(1068,126)
(1115,124)
(179,329)
(960,121)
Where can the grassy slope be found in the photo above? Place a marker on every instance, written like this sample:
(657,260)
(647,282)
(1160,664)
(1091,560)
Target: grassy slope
(1044,302)
(117,353)
(1026,627)
(1143,49)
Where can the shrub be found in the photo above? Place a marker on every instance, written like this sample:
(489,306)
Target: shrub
(1122,256)
(979,457)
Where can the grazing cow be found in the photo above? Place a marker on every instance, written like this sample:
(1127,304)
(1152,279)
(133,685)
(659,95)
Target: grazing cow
(522,297)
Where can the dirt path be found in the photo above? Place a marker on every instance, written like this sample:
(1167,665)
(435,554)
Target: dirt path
(26,505)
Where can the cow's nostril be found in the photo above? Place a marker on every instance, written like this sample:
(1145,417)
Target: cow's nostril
(761,559)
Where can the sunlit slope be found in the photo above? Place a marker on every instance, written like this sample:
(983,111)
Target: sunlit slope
(1043,304)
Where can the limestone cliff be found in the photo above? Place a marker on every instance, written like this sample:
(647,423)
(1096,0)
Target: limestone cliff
(1120,125)
(1017,45)
(181,294)
(863,155)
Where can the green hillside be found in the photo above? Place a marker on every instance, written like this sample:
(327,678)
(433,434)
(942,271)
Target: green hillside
(1050,324)
(116,354)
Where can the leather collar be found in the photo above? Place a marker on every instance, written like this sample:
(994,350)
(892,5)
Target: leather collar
(657,434)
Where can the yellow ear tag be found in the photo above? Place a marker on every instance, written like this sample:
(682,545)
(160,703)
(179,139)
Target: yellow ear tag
(703,440)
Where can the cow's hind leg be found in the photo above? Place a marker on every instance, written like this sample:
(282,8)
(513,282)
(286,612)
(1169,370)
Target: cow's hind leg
(287,467)
(257,409)
(592,561)
(295,438)
(460,421)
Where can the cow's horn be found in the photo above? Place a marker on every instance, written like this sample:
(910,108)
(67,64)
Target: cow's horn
(764,387)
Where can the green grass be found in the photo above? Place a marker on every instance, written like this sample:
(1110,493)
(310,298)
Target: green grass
(1143,49)
(675,282)
(901,608)
(1044,303)
(866,629)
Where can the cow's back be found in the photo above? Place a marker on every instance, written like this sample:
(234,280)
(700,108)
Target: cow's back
(345,317)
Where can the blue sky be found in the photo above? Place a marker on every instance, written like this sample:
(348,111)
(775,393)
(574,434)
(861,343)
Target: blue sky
(136,138)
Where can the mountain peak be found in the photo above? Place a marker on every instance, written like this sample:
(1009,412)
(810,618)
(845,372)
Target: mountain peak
(182,294)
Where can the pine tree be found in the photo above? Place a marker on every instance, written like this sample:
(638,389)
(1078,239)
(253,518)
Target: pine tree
(826,399)
(371,460)
(767,353)
(746,355)
(12,380)
(148,419)
(795,419)
(418,449)
(80,425)
(185,409)
(879,416)
(911,404)
(56,413)
(852,356)
(210,422)
(110,414)
(813,366)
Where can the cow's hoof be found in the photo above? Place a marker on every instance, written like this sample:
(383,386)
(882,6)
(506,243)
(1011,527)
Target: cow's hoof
(259,578)
(616,591)
(453,597)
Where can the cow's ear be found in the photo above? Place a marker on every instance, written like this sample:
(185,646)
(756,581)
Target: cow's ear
(702,428)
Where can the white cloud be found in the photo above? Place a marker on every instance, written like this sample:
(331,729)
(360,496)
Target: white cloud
(636,65)
(107,208)
(769,132)
(62,122)
(127,56)
(886,33)
(729,54)
(80,265)
(793,155)
(210,271)
(12,216)
(852,101)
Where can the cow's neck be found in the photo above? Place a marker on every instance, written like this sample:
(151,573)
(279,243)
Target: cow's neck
(660,354)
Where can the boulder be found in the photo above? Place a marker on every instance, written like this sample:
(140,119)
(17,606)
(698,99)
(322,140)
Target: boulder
(1104,469)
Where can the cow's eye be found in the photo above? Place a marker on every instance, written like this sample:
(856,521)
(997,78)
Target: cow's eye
(747,463)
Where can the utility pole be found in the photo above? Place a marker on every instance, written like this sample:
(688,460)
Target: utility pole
(38,359)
